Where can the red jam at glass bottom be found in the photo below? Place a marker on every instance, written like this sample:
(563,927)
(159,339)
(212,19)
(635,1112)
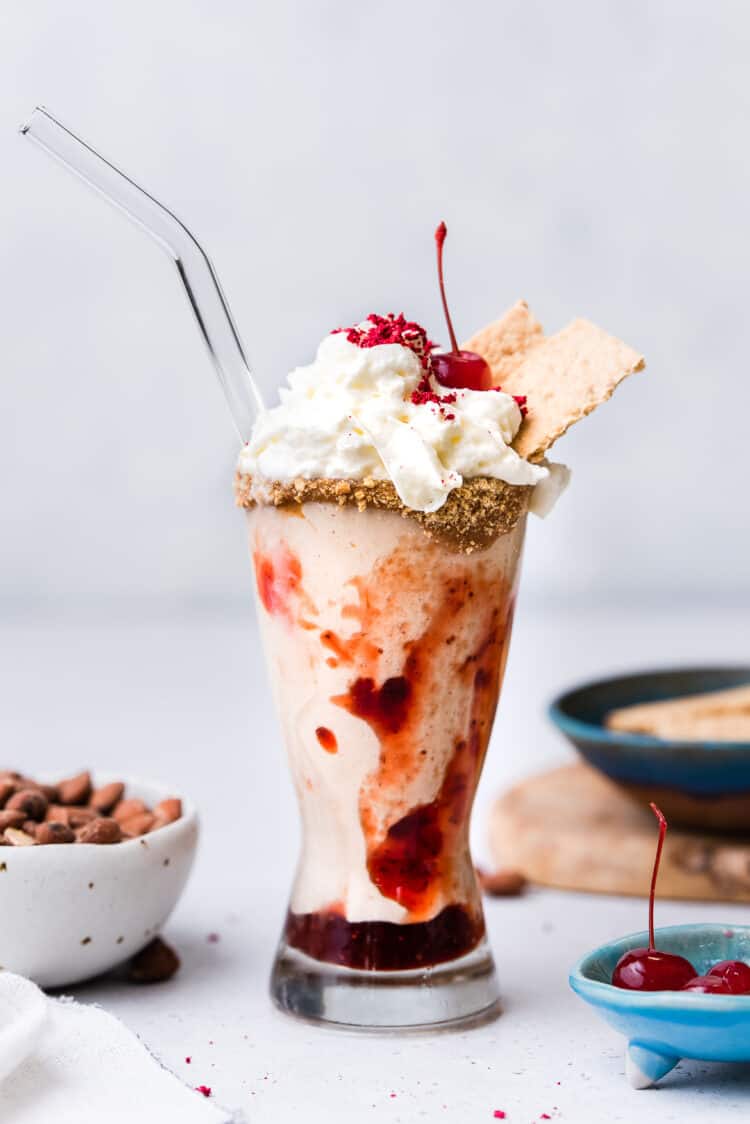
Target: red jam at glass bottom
(382,945)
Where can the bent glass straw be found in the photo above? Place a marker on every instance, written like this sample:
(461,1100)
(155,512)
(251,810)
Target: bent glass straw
(193,264)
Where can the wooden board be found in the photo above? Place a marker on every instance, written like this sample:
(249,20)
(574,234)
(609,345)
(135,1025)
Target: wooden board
(574,829)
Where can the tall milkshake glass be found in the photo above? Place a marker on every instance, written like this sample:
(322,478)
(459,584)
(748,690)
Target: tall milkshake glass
(386,650)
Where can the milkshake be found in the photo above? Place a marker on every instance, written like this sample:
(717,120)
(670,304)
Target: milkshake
(386,651)
(386,508)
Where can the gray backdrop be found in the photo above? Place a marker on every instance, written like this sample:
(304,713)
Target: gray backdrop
(591,157)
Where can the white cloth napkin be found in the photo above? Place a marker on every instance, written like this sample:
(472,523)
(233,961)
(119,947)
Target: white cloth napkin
(72,1063)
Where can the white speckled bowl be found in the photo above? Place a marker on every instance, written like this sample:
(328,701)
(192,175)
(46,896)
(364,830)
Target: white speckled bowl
(71,911)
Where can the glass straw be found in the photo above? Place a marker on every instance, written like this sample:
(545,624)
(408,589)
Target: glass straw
(193,264)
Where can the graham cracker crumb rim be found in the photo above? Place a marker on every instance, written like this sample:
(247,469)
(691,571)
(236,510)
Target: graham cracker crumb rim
(473,516)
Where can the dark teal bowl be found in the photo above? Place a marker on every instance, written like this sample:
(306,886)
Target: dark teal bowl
(703,784)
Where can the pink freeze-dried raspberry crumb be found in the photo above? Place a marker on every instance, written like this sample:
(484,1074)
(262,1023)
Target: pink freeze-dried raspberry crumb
(378,330)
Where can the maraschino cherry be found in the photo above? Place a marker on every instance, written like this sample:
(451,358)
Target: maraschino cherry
(735,974)
(728,977)
(456,368)
(708,984)
(648,969)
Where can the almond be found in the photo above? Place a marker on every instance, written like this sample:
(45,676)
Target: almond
(100,830)
(48,790)
(154,963)
(502,883)
(127,808)
(7,788)
(54,832)
(11,819)
(139,824)
(75,790)
(32,803)
(167,811)
(17,837)
(57,812)
(79,817)
(105,798)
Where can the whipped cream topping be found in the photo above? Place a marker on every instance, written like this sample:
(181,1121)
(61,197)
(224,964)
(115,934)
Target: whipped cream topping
(371,409)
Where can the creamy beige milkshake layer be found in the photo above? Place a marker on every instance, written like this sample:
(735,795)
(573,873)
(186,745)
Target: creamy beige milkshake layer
(386,510)
(386,652)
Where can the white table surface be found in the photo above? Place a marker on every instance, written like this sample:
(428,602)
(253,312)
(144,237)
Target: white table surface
(182,698)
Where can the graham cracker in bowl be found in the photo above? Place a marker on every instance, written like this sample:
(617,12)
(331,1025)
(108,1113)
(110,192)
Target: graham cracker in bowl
(712,716)
(564,377)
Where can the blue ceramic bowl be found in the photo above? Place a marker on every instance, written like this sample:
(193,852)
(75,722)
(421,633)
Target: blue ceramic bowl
(663,1026)
(698,784)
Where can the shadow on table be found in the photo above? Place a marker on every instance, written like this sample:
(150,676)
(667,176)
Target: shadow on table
(713,1077)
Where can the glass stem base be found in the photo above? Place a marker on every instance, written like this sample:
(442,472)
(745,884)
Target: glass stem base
(459,993)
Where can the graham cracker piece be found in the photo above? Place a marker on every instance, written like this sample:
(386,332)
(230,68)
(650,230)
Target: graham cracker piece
(506,342)
(713,715)
(564,376)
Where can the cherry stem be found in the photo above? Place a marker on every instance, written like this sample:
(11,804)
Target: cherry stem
(662,832)
(440,234)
